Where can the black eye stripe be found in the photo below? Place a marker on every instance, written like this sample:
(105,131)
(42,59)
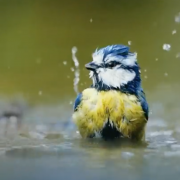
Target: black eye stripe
(112,64)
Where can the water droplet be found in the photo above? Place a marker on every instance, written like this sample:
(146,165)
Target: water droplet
(91,20)
(72,69)
(74,51)
(129,42)
(40,93)
(145,70)
(165,74)
(177,18)
(65,62)
(166,47)
(145,77)
(70,102)
(76,72)
(178,55)
(68,77)
(77,132)
(156,59)
(174,32)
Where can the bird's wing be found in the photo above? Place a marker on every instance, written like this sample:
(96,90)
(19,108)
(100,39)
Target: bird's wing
(144,104)
(77,101)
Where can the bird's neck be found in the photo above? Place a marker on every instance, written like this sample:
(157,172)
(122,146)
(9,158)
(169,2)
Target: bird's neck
(131,87)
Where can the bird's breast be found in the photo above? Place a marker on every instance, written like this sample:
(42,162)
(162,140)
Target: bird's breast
(120,110)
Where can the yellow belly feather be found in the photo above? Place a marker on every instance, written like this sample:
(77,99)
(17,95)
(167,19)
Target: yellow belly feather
(123,110)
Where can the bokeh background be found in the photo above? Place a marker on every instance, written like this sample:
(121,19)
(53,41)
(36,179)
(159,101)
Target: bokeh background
(37,37)
(37,86)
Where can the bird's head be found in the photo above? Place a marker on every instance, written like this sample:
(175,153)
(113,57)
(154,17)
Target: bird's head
(114,67)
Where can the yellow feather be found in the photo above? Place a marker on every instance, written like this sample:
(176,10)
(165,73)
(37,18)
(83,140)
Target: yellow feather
(122,109)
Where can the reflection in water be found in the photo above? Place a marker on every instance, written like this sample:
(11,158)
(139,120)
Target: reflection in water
(37,138)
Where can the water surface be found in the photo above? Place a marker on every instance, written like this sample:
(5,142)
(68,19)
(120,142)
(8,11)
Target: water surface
(38,140)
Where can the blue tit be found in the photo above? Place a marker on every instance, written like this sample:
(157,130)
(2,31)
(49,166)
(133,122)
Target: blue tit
(114,106)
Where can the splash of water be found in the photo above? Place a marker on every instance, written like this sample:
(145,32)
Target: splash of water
(76,71)
(178,55)
(166,47)
(177,18)
(65,62)
(174,31)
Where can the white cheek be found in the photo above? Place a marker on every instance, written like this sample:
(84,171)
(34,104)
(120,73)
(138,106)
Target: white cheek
(116,77)
(100,70)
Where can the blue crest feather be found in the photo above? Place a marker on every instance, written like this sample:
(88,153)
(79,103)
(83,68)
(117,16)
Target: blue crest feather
(115,50)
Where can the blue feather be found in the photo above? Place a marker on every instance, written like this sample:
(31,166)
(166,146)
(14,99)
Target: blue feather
(144,104)
(77,101)
(115,50)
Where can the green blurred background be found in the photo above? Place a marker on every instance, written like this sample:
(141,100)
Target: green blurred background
(37,36)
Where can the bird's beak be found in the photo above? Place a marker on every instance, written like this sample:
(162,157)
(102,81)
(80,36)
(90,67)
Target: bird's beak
(91,66)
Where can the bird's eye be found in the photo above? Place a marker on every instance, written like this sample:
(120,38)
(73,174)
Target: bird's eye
(111,64)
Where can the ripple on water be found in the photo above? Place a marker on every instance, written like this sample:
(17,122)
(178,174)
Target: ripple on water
(161,133)
(158,122)
(172,153)
(127,155)
(175,146)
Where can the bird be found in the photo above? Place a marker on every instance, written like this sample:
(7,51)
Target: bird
(115,105)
